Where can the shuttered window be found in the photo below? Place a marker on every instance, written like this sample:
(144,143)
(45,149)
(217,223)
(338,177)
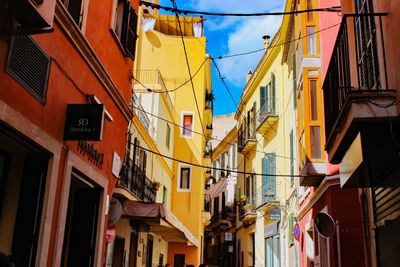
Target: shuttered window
(368,64)
(124,26)
(268,177)
(29,65)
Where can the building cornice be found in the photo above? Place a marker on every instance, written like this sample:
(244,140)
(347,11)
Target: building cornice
(326,183)
(68,26)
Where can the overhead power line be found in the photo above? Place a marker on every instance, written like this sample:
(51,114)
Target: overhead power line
(188,67)
(276,45)
(187,12)
(216,168)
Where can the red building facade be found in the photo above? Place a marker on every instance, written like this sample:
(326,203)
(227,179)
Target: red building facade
(54,193)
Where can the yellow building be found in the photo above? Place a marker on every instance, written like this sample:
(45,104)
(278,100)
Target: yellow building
(185,114)
(266,141)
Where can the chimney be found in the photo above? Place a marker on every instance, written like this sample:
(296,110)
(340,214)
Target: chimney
(266,41)
(249,74)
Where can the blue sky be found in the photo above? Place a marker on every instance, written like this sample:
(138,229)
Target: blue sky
(232,35)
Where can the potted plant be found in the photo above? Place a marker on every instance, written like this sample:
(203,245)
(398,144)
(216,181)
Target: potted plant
(243,198)
(248,207)
(156,185)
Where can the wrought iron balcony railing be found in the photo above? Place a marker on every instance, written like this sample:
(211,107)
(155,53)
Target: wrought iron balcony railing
(246,135)
(134,180)
(358,51)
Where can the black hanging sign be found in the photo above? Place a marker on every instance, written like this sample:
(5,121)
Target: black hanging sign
(84,122)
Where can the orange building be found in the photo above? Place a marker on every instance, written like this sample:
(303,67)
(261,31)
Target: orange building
(59,162)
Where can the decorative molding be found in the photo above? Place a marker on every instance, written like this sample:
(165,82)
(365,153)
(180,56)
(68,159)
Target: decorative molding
(72,31)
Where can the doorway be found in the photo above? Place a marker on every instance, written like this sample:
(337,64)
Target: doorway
(179,260)
(81,223)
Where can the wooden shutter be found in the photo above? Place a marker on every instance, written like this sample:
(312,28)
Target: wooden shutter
(131,36)
(272,178)
(263,96)
(265,179)
(290,228)
(273,95)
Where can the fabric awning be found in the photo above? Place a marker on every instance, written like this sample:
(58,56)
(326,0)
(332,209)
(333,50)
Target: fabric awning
(161,220)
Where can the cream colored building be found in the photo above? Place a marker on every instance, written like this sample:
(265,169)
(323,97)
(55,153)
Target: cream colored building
(266,143)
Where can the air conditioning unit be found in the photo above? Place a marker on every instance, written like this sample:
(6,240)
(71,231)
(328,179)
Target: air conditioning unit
(33,16)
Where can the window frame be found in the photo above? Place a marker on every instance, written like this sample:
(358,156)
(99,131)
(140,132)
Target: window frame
(183,114)
(181,167)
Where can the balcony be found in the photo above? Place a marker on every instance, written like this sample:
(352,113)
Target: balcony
(136,182)
(357,97)
(246,139)
(209,130)
(267,116)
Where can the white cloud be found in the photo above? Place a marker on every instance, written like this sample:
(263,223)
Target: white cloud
(236,6)
(247,36)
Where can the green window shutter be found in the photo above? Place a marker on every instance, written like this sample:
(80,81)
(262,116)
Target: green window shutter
(273,94)
(263,96)
(290,229)
(254,118)
(272,179)
(265,179)
(131,35)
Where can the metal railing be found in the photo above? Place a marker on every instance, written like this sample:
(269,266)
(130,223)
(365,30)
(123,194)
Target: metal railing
(358,53)
(134,180)
(269,108)
(138,109)
(245,134)
(149,77)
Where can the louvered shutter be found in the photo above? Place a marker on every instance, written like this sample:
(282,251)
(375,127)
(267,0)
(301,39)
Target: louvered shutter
(272,178)
(131,36)
(263,96)
(265,178)
(273,95)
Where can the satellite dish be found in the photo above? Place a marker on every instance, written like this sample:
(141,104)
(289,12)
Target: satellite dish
(325,224)
(115,211)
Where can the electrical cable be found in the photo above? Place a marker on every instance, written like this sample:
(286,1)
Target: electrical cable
(188,67)
(216,168)
(276,45)
(198,133)
(176,88)
(175,9)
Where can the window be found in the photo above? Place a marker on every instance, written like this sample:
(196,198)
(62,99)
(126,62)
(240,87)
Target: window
(187,125)
(124,26)
(267,96)
(311,40)
(268,178)
(164,201)
(168,136)
(75,9)
(184,178)
(309,14)
(368,63)
(313,100)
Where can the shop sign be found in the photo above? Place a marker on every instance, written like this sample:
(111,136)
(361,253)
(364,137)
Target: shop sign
(275,214)
(228,236)
(94,155)
(84,122)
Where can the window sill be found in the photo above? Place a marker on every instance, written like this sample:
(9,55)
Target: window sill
(181,190)
(120,46)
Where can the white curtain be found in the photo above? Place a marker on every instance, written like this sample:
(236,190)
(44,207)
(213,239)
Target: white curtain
(148,24)
(198,29)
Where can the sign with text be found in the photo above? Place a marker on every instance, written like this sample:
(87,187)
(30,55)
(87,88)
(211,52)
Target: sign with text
(275,214)
(84,122)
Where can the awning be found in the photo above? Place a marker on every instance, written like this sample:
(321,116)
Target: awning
(161,220)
